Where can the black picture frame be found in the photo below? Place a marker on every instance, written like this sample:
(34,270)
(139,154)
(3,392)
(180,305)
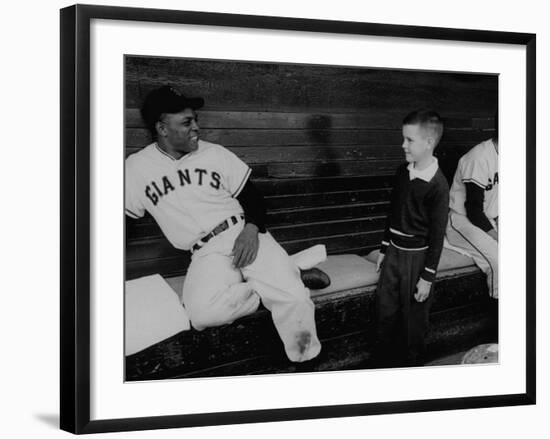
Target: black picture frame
(75,217)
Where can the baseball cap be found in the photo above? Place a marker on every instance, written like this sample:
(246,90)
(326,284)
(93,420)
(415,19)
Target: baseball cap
(166,99)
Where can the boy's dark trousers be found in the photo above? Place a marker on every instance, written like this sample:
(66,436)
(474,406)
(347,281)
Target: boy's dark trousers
(402,322)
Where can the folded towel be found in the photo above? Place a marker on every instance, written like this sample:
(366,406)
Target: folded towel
(153,313)
(310,257)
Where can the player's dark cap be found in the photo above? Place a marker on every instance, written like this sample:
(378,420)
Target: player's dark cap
(166,99)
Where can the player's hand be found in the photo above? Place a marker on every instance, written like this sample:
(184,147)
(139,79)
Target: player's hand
(493,234)
(246,246)
(422,290)
(379,261)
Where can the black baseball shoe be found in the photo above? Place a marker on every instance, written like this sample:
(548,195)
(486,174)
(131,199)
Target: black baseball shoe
(315,279)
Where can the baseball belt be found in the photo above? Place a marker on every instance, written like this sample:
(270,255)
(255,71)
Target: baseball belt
(222,227)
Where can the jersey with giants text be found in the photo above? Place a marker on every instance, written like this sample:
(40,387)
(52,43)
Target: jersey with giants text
(478,166)
(187,197)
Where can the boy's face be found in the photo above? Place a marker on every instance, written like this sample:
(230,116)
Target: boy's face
(417,143)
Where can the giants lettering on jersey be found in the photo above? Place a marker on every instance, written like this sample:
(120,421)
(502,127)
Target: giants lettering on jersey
(492,182)
(157,189)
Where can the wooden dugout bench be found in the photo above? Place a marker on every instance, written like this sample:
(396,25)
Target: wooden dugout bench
(323,143)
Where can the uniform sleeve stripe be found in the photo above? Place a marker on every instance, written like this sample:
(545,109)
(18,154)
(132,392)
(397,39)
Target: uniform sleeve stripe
(130,213)
(385,243)
(244,180)
(473,180)
(429,270)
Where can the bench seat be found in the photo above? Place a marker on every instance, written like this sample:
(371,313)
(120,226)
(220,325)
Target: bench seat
(351,271)
(462,315)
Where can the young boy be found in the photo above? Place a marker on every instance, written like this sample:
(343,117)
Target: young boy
(412,244)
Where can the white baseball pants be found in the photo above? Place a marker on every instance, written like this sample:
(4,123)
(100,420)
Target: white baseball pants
(216,293)
(479,245)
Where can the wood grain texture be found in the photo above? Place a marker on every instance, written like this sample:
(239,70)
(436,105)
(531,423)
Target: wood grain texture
(307,153)
(291,186)
(136,138)
(389,118)
(323,141)
(148,228)
(159,247)
(232,85)
(328,198)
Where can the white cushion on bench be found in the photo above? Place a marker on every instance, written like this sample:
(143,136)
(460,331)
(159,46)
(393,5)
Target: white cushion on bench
(152,313)
(449,259)
(347,272)
(353,271)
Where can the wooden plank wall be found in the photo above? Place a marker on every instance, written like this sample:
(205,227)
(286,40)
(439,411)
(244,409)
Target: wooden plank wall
(322,142)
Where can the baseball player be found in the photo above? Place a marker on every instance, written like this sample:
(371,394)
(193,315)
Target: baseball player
(473,215)
(202,198)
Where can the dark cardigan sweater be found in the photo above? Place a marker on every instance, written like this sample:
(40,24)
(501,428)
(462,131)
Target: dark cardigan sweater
(419,210)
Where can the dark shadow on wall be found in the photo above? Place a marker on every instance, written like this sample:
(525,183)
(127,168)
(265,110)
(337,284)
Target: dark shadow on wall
(319,132)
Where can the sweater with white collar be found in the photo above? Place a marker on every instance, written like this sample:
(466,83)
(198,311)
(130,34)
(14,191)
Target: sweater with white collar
(418,214)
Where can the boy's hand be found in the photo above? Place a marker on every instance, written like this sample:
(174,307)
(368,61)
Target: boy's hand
(379,261)
(422,290)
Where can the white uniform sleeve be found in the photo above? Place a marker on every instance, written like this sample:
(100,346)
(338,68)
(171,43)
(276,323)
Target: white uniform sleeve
(133,205)
(235,172)
(475,170)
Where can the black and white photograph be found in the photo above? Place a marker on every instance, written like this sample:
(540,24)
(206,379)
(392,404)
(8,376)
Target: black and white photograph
(272,219)
(258,219)
(285,218)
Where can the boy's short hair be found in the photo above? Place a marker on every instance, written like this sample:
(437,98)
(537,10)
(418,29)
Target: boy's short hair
(427,119)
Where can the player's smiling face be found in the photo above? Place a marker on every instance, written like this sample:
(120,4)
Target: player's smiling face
(179,132)
(417,144)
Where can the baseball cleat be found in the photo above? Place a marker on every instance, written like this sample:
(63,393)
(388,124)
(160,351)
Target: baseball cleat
(315,279)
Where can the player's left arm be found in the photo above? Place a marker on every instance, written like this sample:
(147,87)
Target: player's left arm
(253,204)
(438,214)
(474,209)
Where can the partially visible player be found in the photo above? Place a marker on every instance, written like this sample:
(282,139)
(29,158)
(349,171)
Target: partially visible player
(412,244)
(201,196)
(473,216)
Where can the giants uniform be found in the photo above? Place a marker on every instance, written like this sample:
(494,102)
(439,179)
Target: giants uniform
(188,198)
(480,167)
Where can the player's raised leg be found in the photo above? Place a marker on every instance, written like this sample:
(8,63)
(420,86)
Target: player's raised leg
(276,278)
(483,249)
(214,293)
